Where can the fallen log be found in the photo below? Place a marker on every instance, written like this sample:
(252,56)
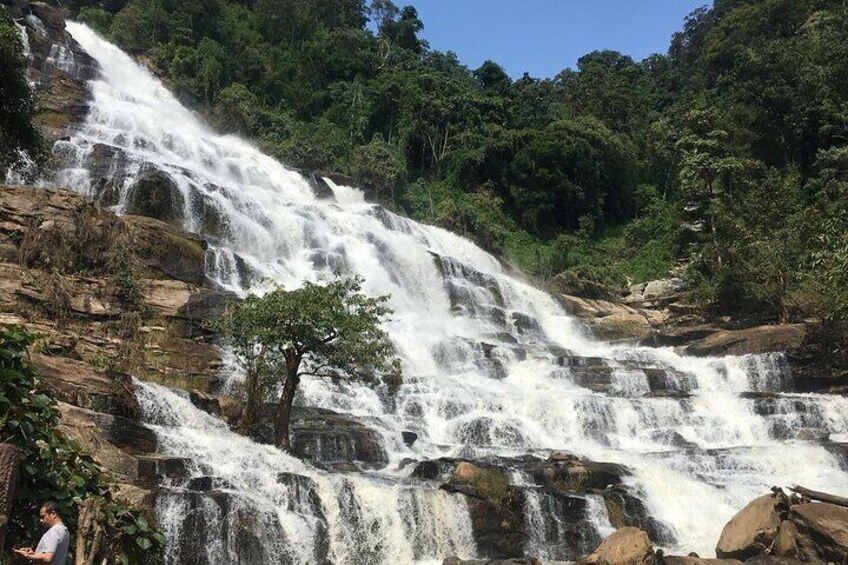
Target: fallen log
(820,496)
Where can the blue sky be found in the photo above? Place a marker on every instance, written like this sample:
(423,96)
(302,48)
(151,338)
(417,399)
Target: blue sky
(543,37)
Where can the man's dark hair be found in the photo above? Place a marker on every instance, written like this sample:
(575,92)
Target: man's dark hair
(50,507)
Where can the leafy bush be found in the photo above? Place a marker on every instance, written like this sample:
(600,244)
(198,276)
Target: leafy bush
(53,468)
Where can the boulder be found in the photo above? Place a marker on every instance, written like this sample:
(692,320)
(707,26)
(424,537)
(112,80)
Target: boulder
(751,531)
(822,532)
(627,546)
(785,544)
(760,339)
(687,560)
(620,326)
(155,194)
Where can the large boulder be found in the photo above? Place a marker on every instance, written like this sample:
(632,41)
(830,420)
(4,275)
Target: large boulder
(822,532)
(627,546)
(621,326)
(751,531)
(610,321)
(155,194)
(760,339)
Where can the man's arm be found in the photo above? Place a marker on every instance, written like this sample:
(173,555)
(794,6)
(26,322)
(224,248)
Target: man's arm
(46,557)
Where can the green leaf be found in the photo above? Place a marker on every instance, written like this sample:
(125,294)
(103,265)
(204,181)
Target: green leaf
(142,523)
(143,543)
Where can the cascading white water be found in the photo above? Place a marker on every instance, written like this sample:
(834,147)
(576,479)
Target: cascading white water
(492,365)
(296,514)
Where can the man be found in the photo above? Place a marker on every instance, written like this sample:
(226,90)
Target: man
(54,544)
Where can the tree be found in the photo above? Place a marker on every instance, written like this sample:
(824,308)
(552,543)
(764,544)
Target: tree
(380,166)
(330,331)
(20,140)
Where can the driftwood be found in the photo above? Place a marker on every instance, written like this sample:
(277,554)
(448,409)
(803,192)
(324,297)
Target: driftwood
(8,473)
(820,496)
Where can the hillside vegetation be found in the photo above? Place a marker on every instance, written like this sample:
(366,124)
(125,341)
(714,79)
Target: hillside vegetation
(728,154)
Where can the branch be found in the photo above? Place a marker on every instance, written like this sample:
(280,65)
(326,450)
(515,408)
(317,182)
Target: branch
(820,496)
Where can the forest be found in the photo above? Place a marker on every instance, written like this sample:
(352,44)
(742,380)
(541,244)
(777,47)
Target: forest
(724,160)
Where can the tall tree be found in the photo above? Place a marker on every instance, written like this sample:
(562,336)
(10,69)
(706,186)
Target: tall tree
(331,330)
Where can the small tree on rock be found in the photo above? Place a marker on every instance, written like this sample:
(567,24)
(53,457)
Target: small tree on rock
(330,330)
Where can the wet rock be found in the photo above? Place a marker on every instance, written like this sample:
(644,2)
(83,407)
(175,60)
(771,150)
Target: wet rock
(822,536)
(219,527)
(409,438)
(152,469)
(155,194)
(327,438)
(751,531)
(106,166)
(435,469)
(205,402)
(568,474)
(760,339)
(627,546)
(625,509)
(320,188)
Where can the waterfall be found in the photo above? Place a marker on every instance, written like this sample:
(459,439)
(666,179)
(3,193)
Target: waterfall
(493,366)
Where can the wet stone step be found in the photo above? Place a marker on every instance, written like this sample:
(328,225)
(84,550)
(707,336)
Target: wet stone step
(152,469)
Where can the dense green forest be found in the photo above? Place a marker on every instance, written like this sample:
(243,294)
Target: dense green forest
(728,155)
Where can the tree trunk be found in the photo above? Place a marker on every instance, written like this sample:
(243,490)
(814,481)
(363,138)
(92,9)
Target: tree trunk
(8,473)
(284,407)
(820,496)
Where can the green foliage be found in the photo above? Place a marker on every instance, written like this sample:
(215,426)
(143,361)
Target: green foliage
(685,150)
(322,330)
(379,166)
(96,18)
(20,141)
(53,468)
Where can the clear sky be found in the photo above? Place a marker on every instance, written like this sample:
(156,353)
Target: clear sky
(543,37)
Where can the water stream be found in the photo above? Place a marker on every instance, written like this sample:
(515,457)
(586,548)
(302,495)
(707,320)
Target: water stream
(493,366)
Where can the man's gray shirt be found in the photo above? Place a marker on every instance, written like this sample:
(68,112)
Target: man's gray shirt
(56,541)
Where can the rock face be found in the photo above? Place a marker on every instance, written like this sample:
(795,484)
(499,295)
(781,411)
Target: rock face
(58,68)
(610,321)
(822,532)
(55,281)
(627,546)
(557,491)
(328,439)
(761,339)
(751,531)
